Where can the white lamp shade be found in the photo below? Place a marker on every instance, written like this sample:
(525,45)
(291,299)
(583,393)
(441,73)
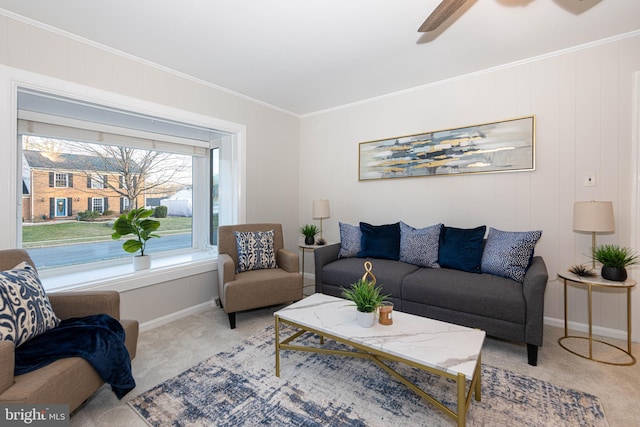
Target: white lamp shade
(593,217)
(321,209)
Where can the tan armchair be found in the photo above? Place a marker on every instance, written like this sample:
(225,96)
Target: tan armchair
(255,288)
(71,380)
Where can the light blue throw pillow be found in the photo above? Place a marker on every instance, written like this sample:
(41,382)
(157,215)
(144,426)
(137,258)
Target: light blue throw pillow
(350,236)
(508,253)
(255,250)
(420,246)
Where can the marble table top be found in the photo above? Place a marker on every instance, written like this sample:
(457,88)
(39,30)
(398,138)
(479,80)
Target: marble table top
(444,346)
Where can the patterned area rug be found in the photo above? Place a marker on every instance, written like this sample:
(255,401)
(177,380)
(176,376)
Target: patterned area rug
(239,388)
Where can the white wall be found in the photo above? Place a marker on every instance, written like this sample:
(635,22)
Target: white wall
(582,100)
(271,191)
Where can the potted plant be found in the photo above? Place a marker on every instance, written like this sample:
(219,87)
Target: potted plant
(136,222)
(309,231)
(367,297)
(614,259)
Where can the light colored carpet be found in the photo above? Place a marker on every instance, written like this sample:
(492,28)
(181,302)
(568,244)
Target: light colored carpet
(239,388)
(170,349)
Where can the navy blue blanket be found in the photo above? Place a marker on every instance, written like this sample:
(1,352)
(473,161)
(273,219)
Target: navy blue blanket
(98,339)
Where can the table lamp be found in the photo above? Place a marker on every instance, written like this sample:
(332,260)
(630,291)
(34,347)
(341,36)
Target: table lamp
(320,211)
(594,217)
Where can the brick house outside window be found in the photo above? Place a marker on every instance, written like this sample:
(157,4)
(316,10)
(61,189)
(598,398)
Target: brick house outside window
(56,187)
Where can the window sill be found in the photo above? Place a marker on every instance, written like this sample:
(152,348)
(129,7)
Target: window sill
(122,277)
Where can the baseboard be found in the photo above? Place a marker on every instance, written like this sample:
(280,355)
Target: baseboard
(154,323)
(584,328)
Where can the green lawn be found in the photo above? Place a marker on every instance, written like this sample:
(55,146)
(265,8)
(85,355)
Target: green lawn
(37,235)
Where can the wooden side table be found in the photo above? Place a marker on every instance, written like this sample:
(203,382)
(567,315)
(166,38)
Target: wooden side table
(590,283)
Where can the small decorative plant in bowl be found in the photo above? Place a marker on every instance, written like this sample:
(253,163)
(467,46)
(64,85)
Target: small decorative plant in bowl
(614,260)
(309,231)
(367,297)
(138,223)
(582,270)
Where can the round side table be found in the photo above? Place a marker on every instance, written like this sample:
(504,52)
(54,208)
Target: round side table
(590,283)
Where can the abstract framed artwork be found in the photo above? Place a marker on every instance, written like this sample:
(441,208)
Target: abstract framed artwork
(504,146)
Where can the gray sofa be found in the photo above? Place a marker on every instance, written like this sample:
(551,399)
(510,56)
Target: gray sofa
(502,307)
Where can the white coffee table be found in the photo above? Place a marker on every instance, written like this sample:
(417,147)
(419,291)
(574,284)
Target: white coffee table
(448,350)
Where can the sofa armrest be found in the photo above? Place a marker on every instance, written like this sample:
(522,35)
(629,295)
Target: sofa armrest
(86,303)
(226,273)
(288,261)
(7,364)
(533,287)
(322,257)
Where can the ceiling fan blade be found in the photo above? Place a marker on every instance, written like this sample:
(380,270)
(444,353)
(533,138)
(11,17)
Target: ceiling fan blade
(440,14)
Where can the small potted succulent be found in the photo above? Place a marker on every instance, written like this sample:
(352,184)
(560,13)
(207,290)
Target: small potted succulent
(309,231)
(138,223)
(367,297)
(614,259)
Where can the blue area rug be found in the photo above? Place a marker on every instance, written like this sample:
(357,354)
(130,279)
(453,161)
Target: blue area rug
(239,388)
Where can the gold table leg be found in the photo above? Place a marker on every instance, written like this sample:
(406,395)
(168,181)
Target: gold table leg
(463,398)
(590,335)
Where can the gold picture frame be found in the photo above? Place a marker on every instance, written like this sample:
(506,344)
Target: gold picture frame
(502,146)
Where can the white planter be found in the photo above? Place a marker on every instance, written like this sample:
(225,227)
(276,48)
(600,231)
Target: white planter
(366,320)
(141,262)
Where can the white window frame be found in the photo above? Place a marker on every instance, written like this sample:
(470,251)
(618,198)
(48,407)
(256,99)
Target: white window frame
(125,203)
(97,205)
(57,177)
(97,182)
(115,275)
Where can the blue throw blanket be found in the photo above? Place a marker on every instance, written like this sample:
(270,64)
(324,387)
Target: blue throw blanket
(98,339)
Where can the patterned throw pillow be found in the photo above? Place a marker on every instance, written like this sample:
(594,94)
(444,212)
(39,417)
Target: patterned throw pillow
(508,254)
(420,246)
(255,250)
(25,310)
(350,236)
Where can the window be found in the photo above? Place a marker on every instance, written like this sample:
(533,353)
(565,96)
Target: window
(61,180)
(125,204)
(97,181)
(149,162)
(97,204)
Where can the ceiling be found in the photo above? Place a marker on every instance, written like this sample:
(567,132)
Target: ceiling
(305,56)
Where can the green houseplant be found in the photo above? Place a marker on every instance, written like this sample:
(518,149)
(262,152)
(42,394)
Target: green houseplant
(309,231)
(367,297)
(614,260)
(137,223)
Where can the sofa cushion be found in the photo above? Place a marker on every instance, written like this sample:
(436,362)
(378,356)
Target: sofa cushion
(480,294)
(388,273)
(380,241)
(461,248)
(420,246)
(25,310)
(255,250)
(509,253)
(350,237)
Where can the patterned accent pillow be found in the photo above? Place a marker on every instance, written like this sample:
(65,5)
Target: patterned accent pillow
(255,250)
(508,253)
(25,310)
(350,236)
(420,246)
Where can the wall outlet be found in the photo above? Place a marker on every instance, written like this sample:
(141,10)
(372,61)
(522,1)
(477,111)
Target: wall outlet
(590,179)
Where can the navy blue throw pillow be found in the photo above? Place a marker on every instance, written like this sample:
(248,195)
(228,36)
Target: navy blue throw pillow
(461,248)
(380,241)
